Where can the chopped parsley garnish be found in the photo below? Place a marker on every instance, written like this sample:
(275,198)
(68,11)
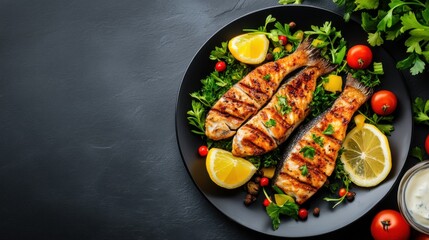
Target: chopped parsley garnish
(329,130)
(270,123)
(318,139)
(282,105)
(267,77)
(269,159)
(308,152)
(304,170)
(322,99)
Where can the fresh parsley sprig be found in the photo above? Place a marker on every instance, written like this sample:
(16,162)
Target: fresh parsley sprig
(274,211)
(420,116)
(196,117)
(421,110)
(330,40)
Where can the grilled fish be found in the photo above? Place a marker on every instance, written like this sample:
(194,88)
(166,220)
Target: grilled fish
(247,96)
(310,158)
(273,124)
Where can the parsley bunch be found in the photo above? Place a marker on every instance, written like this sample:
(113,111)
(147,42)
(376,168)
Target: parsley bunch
(384,20)
(392,20)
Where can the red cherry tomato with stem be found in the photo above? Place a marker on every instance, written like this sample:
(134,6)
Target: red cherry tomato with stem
(389,224)
(359,57)
(283,40)
(342,192)
(264,181)
(220,66)
(427,144)
(203,150)
(384,102)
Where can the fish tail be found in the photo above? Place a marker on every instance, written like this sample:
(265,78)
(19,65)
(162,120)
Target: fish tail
(353,82)
(324,65)
(313,53)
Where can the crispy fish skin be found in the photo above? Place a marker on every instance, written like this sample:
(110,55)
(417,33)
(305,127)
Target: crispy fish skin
(290,177)
(296,93)
(247,96)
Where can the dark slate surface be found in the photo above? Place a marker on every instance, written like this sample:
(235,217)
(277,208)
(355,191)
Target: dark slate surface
(87,138)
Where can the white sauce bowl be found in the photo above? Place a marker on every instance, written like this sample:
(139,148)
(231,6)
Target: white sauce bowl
(413,196)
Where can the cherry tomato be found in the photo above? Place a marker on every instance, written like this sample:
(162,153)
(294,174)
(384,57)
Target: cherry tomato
(264,182)
(389,224)
(421,236)
(342,192)
(266,202)
(359,57)
(302,213)
(203,150)
(220,66)
(282,40)
(427,144)
(384,102)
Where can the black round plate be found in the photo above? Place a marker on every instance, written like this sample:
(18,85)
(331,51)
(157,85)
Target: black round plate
(230,202)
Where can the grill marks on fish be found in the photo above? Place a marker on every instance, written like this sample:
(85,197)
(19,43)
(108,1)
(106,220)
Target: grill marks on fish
(254,91)
(296,95)
(289,176)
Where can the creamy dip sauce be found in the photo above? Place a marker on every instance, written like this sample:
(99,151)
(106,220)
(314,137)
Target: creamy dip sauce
(417,197)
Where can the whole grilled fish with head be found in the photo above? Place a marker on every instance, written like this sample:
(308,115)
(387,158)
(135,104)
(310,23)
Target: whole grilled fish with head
(247,96)
(315,149)
(273,124)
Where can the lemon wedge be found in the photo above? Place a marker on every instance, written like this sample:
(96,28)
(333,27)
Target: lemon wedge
(249,48)
(281,199)
(367,156)
(226,170)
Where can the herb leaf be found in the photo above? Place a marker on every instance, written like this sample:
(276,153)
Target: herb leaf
(282,105)
(318,139)
(417,152)
(304,170)
(308,152)
(270,123)
(196,117)
(421,110)
(274,211)
(329,130)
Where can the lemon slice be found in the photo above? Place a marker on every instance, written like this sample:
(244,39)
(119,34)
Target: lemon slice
(228,171)
(249,48)
(367,156)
